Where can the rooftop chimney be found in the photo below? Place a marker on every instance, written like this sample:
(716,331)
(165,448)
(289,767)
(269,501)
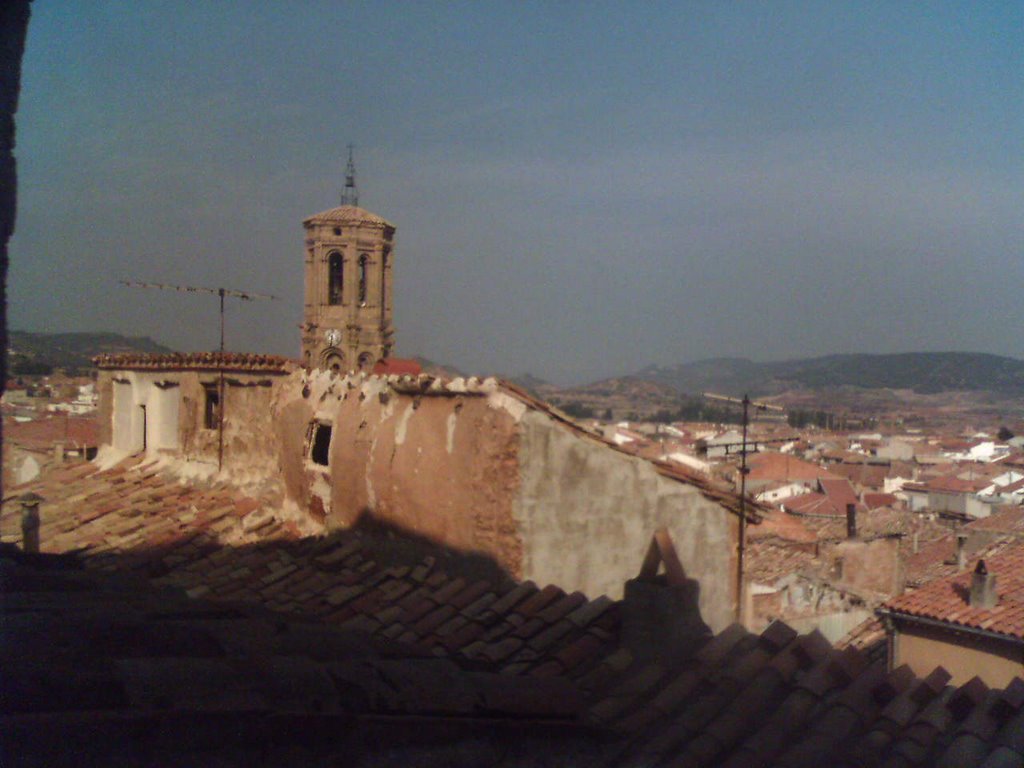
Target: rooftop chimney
(30,521)
(851,521)
(983,587)
(961,551)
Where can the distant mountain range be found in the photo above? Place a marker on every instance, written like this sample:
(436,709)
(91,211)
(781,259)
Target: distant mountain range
(922,372)
(39,353)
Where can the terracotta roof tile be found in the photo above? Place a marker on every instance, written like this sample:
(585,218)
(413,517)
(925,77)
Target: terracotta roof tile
(945,599)
(196,361)
(775,698)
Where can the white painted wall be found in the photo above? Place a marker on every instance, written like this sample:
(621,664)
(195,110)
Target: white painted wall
(144,414)
(163,417)
(124,400)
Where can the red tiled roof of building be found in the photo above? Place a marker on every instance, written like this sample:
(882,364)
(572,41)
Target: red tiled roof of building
(769,559)
(836,494)
(866,475)
(195,361)
(82,431)
(839,491)
(112,671)
(397,366)
(784,526)
(954,484)
(783,466)
(394,637)
(947,599)
(876,500)
(1007,519)
(810,504)
(218,543)
(936,559)
(880,522)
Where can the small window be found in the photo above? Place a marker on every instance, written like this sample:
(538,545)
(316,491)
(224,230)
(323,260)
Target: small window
(211,412)
(321,444)
(335,278)
(337,231)
(363,260)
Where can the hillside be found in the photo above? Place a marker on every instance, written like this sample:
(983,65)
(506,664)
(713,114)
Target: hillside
(30,353)
(921,372)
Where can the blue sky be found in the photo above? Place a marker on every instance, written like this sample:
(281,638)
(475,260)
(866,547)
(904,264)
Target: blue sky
(580,189)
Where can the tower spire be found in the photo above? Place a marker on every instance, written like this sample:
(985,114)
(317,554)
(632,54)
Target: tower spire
(350,195)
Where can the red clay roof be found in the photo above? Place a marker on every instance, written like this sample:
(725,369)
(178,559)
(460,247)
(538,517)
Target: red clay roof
(947,599)
(782,466)
(397,366)
(414,626)
(43,433)
(867,475)
(221,544)
(195,361)
(876,500)
(1009,519)
(954,484)
(836,494)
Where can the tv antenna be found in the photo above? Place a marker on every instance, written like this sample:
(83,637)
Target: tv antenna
(221,292)
(746,402)
(350,195)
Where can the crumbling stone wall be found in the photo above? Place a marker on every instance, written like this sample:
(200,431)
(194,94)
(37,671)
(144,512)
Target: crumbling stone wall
(587,513)
(442,466)
(478,469)
(251,451)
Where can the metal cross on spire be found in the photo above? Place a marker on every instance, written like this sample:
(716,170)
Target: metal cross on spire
(350,195)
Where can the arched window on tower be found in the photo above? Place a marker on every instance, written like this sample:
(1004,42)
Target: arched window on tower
(384,278)
(363,260)
(336,278)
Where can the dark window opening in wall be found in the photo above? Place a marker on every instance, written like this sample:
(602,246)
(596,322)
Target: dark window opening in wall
(319,450)
(211,411)
(336,278)
(144,425)
(334,362)
(363,260)
(337,231)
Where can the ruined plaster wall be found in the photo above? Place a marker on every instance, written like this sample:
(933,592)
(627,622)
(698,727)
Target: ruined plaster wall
(442,466)
(175,413)
(249,444)
(873,565)
(587,514)
(104,408)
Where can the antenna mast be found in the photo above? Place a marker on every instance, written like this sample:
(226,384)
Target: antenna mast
(220,292)
(350,195)
(746,402)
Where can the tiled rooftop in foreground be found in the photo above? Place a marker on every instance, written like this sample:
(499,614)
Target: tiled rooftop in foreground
(371,645)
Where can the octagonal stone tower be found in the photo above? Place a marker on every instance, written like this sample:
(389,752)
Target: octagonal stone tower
(347,310)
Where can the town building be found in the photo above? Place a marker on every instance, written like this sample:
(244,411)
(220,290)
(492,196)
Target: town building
(347,310)
(971,624)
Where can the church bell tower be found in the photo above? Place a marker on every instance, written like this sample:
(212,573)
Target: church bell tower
(347,309)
